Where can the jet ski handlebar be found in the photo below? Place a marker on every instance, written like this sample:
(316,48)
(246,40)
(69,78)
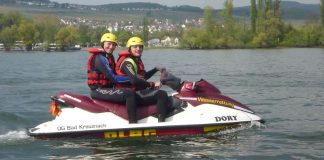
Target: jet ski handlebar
(170,80)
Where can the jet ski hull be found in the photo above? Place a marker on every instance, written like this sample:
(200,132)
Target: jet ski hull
(137,132)
(193,120)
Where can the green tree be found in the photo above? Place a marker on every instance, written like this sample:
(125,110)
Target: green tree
(84,33)
(261,16)
(227,15)
(12,18)
(294,38)
(208,19)
(228,26)
(322,12)
(66,37)
(277,8)
(123,37)
(260,40)
(312,34)
(270,32)
(1,21)
(273,31)
(28,34)
(190,38)
(96,35)
(47,26)
(253,16)
(269,5)
(8,37)
(145,31)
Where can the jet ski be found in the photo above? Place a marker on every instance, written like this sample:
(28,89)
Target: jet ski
(194,108)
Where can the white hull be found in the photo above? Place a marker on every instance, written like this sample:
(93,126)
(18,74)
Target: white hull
(75,120)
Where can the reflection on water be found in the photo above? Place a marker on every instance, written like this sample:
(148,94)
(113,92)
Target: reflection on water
(174,147)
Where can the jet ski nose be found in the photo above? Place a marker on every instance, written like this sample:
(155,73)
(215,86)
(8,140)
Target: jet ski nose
(262,121)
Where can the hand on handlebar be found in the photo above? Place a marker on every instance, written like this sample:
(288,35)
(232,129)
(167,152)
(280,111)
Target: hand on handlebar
(157,85)
(160,68)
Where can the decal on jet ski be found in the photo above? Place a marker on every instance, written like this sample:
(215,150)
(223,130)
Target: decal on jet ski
(130,133)
(70,97)
(215,101)
(109,91)
(92,126)
(225,118)
(81,127)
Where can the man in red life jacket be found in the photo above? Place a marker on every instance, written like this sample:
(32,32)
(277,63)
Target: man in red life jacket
(130,64)
(102,77)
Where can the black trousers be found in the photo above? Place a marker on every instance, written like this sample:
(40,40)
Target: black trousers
(132,99)
(158,97)
(120,95)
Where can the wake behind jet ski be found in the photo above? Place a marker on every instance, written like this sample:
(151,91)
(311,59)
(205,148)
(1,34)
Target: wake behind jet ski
(194,108)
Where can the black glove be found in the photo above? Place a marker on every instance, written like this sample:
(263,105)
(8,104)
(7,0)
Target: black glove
(160,69)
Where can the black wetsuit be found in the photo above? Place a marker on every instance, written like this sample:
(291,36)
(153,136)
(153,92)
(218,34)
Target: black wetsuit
(147,95)
(108,93)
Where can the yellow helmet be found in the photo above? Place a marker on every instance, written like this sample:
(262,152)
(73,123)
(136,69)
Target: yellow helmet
(109,37)
(134,41)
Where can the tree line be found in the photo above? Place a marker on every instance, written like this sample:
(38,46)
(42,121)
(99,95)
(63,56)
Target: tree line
(49,30)
(266,29)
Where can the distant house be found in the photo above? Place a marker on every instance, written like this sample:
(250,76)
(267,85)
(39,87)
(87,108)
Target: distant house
(166,42)
(154,42)
(19,46)
(176,41)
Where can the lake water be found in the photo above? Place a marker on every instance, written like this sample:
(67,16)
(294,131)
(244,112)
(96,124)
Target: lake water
(284,86)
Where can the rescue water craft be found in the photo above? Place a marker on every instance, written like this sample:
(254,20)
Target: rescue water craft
(195,108)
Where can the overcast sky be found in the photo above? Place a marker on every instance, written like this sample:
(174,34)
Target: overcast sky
(216,4)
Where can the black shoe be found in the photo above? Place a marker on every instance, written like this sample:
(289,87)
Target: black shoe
(132,121)
(161,118)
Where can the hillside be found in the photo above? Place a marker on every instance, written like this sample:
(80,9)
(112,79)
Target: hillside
(289,11)
(137,10)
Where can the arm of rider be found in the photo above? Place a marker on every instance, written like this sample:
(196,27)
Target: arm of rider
(135,79)
(150,73)
(160,68)
(101,64)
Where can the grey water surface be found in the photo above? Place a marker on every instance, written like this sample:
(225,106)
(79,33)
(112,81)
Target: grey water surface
(284,86)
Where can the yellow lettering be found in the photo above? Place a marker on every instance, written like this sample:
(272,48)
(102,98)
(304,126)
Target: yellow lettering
(135,133)
(150,132)
(110,134)
(214,101)
(132,133)
(121,134)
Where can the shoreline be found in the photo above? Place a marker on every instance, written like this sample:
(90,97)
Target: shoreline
(177,48)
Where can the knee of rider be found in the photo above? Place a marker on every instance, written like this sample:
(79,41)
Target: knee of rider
(130,92)
(162,93)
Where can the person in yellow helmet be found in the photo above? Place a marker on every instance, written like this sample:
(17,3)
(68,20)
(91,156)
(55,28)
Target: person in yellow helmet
(102,77)
(130,64)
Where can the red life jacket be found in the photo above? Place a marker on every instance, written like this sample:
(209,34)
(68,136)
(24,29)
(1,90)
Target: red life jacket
(139,69)
(95,78)
(139,64)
